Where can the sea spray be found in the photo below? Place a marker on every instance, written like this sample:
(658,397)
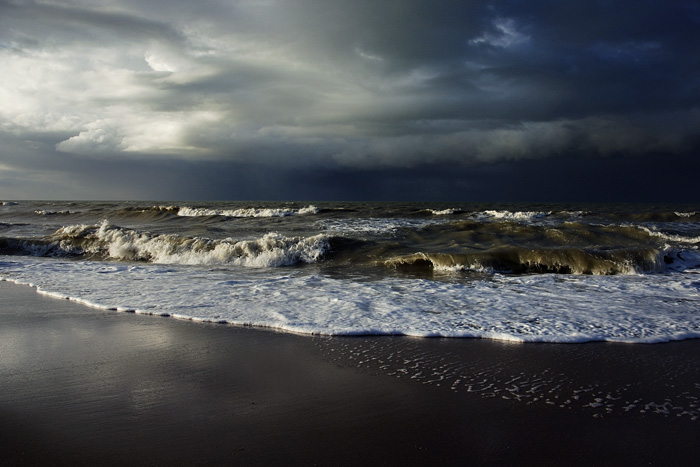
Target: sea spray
(112,242)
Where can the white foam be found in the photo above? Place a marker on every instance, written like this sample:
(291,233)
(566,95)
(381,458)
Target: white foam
(43,212)
(443,212)
(540,308)
(374,226)
(670,237)
(517,215)
(248,212)
(575,213)
(270,250)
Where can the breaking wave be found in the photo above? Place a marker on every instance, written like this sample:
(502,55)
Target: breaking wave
(44,212)
(443,212)
(248,212)
(160,212)
(642,217)
(518,215)
(613,217)
(559,261)
(670,237)
(111,242)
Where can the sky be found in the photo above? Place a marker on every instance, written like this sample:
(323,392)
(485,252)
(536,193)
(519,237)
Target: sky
(522,100)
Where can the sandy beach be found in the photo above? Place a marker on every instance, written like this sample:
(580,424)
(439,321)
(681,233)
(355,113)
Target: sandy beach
(84,386)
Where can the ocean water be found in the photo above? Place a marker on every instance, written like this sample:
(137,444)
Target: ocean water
(516,272)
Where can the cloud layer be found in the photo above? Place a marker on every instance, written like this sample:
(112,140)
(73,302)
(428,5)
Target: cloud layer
(340,85)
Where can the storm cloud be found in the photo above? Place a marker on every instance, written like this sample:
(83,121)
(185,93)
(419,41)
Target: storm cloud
(344,99)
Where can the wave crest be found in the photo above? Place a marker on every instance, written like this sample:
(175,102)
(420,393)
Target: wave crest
(44,212)
(247,212)
(517,215)
(669,237)
(538,261)
(107,241)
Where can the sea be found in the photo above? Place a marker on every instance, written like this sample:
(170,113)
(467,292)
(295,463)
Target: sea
(561,273)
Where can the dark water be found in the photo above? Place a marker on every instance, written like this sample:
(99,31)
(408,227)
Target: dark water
(476,270)
(412,238)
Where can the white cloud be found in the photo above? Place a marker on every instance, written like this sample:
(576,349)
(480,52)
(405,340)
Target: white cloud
(99,137)
(143,133)
(505,34)
(158,62)
(368,55)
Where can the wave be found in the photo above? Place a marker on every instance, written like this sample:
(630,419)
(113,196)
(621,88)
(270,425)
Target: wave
(571,213)
(374,226)
(132,213)
(671,237)
(8,203)
(43,212)
(560,261)
(160,212)
(515,215)
(441,212)
(652,216)
(614,217)
(149,211)
(164,211)
(494,214)
(247,212)
(474,234)
(111,242)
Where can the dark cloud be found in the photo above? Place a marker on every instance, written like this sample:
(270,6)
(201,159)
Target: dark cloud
(342,99)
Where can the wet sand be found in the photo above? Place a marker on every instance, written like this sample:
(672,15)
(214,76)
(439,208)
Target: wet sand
(80,385)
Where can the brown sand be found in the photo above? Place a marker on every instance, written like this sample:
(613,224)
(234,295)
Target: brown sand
(81,386)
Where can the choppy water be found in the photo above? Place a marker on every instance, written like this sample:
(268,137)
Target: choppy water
(552,273)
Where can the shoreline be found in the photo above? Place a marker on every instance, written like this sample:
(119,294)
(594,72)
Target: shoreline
(517,340)
(80,384)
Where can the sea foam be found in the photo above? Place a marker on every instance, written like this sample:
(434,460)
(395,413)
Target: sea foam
(108,241)
(539,308)
(248,212)
(526,274)
(517,215)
